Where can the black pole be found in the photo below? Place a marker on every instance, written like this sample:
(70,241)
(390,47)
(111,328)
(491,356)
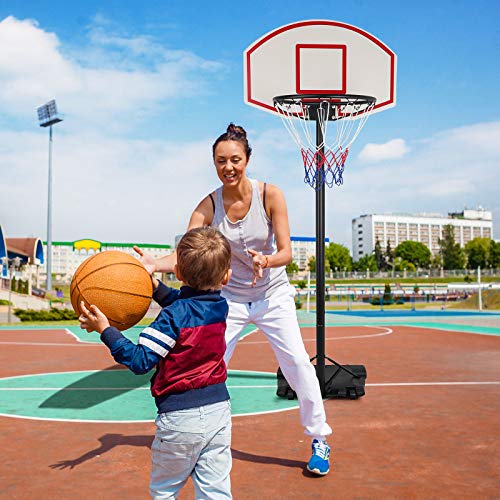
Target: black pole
(320,263)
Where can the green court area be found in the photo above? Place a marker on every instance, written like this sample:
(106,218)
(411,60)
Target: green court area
(120,396)
(485,323)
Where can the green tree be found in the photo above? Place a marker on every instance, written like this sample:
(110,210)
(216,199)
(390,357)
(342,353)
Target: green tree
(379,256)
(311,264)
(366,262)
(495,254)
(338,257)
(400,265)
(415,252)
(452,255)
(292,267)
(389,255)
(436,261)
(478,253)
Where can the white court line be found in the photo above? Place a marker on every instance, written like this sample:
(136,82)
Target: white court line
(404,384)
(59,329)
(78,421)
(82,344)
(118,388)
(388,331)
(248,333)
(388,384)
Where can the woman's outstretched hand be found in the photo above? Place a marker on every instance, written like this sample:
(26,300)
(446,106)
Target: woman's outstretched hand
(260,262)
(148,261)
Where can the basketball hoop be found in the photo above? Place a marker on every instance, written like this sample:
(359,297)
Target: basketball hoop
(323,158)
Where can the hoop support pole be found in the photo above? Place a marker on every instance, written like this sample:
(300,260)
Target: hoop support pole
(320,265)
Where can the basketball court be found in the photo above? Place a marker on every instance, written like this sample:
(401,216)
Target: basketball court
(76,425)
(73,420)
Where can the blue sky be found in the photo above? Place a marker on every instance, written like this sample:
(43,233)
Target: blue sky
(145,88)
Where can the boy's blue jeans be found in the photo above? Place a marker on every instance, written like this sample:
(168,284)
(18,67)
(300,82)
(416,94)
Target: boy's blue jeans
(195,442)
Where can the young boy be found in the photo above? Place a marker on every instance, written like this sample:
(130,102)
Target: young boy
(186,344)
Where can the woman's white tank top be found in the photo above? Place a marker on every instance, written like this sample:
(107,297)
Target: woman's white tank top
(254,232)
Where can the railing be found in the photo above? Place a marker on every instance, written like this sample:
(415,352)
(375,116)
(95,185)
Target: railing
(391,275)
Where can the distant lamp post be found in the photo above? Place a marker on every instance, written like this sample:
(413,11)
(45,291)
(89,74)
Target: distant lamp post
(47,116)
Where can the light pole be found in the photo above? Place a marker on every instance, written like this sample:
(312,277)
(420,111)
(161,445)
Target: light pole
(47,116)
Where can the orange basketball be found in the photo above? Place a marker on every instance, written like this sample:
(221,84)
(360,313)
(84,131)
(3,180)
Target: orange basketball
(117,283)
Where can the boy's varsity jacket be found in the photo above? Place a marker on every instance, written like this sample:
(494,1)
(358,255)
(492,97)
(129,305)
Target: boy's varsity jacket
(186,344)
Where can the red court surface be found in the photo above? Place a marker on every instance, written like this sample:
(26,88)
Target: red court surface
(428,426)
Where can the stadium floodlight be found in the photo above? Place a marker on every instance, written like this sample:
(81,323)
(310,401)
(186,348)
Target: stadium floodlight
(47,116)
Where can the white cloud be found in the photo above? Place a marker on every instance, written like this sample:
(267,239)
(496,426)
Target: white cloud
(116,79)
(441,174)
(390,150)
(111,187)
(136,190)
(103,188)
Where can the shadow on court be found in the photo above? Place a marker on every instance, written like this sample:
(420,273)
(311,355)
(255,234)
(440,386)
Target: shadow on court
(108,442)
(96,388)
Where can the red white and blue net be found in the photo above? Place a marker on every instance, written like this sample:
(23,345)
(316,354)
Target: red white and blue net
(324,127)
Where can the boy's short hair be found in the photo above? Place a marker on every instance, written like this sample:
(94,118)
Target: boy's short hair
(203,258)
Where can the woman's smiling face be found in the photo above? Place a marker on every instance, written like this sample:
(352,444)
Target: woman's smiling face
(230,161)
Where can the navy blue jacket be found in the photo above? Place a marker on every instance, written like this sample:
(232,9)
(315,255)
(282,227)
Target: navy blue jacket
(186,344)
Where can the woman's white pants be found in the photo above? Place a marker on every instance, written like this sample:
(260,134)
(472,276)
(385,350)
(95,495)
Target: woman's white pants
(276,317)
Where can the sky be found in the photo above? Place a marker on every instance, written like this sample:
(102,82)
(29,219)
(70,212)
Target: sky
(144,89)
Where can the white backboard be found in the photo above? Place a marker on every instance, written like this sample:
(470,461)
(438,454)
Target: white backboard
(319,57)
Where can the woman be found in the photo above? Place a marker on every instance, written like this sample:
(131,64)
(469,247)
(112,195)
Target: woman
(252,215)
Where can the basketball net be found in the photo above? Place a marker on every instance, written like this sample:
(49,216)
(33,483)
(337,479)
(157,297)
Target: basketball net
(324,157)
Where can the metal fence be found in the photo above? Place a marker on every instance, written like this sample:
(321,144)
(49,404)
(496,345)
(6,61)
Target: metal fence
(420,273)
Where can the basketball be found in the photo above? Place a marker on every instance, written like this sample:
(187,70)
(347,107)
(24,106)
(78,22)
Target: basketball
(117,283)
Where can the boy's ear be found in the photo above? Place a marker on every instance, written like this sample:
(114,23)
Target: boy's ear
(227,276)
(177,273)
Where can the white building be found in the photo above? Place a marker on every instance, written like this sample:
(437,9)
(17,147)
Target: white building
(303,248)
(67,256)
(425,228)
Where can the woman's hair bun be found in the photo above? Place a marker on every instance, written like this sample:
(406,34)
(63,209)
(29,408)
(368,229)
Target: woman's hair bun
(234,133)
(236,130)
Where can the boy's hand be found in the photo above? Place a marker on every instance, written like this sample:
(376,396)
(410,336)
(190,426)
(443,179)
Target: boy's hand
(148,261)
(92,320)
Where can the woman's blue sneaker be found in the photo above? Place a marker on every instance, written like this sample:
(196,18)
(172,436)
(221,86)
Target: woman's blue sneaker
(318,464)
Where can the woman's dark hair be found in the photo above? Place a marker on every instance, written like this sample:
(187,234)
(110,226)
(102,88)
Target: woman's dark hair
(234,133)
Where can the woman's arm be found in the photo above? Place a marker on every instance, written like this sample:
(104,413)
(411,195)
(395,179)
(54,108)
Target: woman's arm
(281,228)
(276,205)
(202,215)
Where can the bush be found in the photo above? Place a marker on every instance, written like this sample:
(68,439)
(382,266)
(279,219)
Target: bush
(44,315)
(4,302)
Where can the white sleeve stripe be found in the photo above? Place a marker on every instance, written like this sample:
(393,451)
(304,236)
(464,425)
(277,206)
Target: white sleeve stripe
(153,346)
(160,336)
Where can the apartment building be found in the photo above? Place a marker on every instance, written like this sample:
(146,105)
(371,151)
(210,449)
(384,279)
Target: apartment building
(303,248)
(425,228)
(67,256)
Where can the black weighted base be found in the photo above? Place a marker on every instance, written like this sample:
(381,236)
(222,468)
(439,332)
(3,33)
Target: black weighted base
(341,382)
